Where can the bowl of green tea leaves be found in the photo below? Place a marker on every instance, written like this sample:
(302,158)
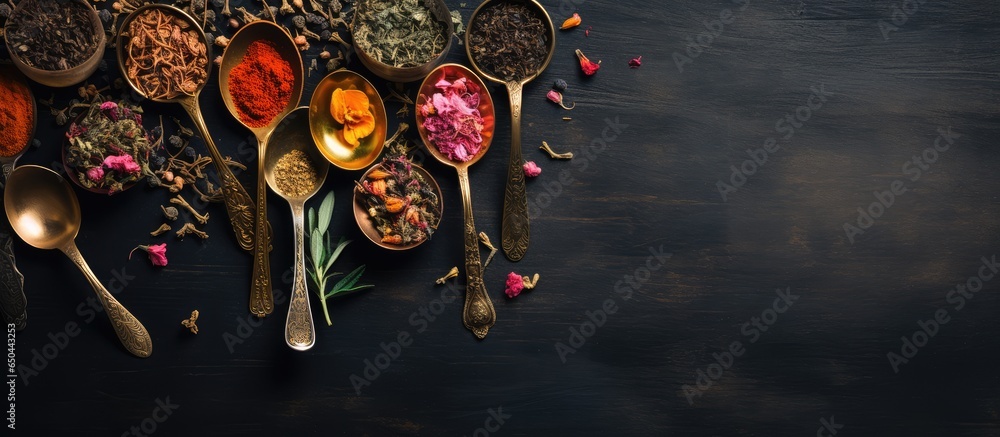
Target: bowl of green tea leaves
(107,150)
(402,40)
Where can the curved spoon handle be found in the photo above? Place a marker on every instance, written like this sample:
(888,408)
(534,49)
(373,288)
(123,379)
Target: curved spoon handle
(516,231)
(239,205)
(261,296)
(300,331)
(130,331)
(478,314)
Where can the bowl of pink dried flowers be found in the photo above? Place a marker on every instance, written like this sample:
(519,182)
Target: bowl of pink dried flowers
(107,149)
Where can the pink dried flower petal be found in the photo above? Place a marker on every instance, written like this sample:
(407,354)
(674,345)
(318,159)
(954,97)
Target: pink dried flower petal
(635,62)
(452,119)
(514,285)
(122,164)
(589,68)
(556,97)
(95,174)
(157,253)
(531,169)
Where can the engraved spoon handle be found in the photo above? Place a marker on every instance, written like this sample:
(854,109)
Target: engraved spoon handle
(516,231)
(478,314)
(130,331)
(239,205)
(300,331)
(261,296)
(13,302)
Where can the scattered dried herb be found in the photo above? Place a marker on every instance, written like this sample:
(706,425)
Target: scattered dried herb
(52,35)
(589,68)
(531,169)
(400,33)
(403,206)
(557,97)
(553,154)
(190,322)
(571,22)
(453,273)
(157,253)
(109,149)
(323,254)
(509,40)
(166,56)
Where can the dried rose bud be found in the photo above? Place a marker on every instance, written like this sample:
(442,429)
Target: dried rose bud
(571,22)
(635,62)
(301,40)
(531,169)
(324,55)
(589,68)
(556,97)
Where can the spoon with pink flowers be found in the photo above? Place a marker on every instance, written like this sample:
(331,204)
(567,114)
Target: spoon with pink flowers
(455,119)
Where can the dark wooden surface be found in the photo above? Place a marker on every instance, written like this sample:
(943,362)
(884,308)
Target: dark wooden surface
(654,186)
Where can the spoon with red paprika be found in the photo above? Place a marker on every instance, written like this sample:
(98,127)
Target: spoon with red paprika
(261,81)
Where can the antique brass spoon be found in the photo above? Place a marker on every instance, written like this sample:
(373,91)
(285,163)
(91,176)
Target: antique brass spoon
(261,296)
(239,204)
(45,213)
(478,314)
(516,231)
(300,331)
(13,303)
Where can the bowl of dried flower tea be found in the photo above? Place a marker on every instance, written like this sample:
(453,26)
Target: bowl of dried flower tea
(347,120)
(107,149)
(55,43)
(402,40)
(397,204)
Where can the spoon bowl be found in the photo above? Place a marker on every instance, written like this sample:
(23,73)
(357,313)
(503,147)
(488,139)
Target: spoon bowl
(261,297)
(327,133)
(516,230)
(45,213)
(478,315)
(239,205)
(300,330)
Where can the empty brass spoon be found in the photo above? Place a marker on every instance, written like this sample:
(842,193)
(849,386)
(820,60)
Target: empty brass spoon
(45,213)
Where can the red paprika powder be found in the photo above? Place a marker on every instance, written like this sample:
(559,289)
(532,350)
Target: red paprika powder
(261,84)
(16,116)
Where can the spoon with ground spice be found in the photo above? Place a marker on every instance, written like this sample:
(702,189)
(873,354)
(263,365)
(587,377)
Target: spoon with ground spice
(511,42)
(261,80)
(18,117)
(295,170)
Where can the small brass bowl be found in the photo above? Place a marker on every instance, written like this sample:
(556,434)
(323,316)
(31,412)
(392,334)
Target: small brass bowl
(366,224)
(73,75)
(405,74)
(328,134)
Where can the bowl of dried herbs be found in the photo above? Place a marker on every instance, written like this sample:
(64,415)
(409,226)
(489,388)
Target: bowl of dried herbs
(107,149)
(397,204)
(55,43)
(402,40)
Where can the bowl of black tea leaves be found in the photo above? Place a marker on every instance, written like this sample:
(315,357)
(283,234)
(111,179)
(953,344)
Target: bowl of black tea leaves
(55,43)
(402,40)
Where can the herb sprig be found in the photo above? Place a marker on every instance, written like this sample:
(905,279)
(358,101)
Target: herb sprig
(321,257)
